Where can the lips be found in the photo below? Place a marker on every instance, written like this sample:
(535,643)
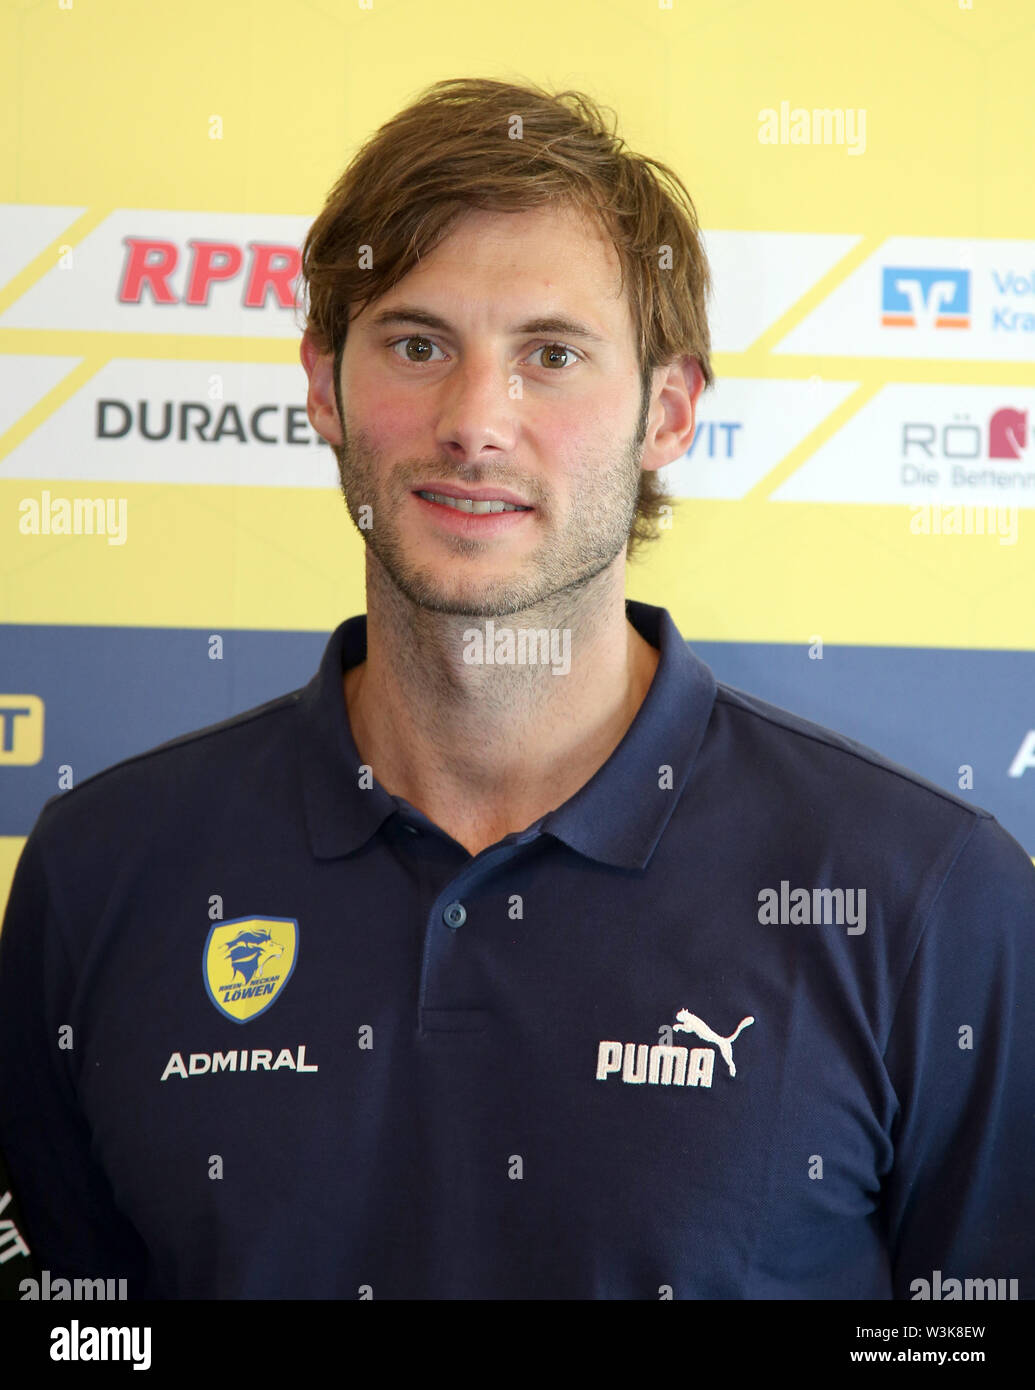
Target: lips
(473,506)
(476,494)
(485,518)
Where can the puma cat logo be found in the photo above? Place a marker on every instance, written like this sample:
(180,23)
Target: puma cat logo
(690,1023)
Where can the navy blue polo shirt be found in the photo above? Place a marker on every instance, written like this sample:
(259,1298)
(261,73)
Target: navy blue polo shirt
(749,1016)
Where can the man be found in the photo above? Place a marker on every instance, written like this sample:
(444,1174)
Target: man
(514,957)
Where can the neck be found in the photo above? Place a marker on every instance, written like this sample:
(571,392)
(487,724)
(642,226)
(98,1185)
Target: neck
(484,749)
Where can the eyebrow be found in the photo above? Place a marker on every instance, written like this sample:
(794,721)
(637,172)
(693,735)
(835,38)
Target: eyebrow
(544,324)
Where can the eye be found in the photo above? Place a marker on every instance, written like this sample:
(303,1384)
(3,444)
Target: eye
(556,349)
(414,338)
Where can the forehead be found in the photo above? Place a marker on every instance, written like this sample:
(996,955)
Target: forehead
(555,257)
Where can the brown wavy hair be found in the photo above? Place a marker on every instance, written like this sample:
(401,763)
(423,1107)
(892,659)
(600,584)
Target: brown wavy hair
(476,143)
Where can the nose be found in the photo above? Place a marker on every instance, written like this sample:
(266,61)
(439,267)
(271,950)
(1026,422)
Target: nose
(477,408)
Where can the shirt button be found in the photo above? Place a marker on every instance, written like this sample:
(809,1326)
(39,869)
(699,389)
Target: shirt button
(411,828)
(455,915)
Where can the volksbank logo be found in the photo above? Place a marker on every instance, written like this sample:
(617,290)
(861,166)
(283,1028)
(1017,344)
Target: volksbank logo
(664,1064)
(919,298)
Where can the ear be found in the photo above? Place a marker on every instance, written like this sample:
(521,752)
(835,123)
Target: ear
(675,411)
(321,406)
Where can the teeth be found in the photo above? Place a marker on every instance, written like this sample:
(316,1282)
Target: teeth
(470,504)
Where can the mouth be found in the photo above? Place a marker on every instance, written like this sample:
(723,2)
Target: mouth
(475,506)
(486,513)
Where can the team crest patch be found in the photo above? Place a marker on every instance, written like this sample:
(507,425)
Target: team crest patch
(247,962)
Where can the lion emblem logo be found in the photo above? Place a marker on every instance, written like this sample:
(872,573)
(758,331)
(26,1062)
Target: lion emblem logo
(247,962)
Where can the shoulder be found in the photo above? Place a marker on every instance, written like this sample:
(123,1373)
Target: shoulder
(820,755)
(829,790)
(173,782)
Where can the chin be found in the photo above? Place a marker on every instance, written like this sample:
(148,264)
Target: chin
(475,603)
(484,597)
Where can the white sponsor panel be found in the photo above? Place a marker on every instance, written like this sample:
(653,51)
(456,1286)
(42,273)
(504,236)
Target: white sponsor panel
(952,445)
(148,271)
(160,271)
(255,433)
(758,276)
(745,426)
(929,297)
(25,229)
(27,380)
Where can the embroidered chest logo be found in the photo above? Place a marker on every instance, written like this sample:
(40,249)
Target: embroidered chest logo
(667,1064)
(247,962)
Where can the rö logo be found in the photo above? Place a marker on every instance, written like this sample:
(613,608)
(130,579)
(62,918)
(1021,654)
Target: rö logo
(1007,433)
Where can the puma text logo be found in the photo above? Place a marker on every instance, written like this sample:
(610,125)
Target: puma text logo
(668,1064)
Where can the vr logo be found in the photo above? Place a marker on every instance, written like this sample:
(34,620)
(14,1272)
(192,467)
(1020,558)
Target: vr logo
(913,298)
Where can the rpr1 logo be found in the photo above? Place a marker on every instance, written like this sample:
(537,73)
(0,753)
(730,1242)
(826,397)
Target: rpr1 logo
(150,261)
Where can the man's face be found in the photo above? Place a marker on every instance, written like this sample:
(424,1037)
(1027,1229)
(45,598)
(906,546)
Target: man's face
(450,386)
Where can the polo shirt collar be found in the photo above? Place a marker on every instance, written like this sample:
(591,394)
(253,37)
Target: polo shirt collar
(616,818)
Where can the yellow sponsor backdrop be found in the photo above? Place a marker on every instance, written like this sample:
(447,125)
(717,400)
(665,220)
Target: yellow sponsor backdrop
(107,105)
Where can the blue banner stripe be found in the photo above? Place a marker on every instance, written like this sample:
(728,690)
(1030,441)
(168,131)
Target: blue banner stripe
(111,692)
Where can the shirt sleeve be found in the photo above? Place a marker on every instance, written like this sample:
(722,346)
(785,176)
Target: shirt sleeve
(72,1224)
(959,1199)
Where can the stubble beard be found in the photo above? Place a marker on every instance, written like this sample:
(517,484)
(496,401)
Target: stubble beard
(597,530)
